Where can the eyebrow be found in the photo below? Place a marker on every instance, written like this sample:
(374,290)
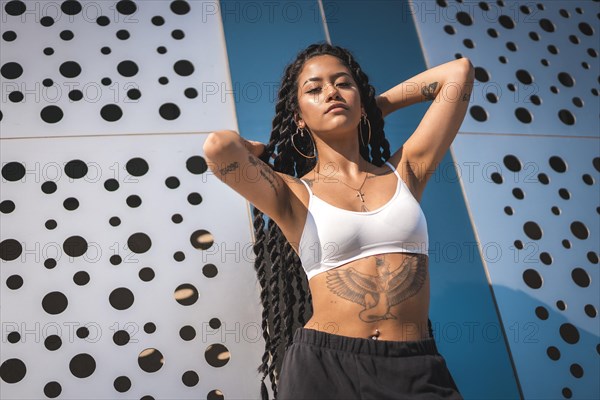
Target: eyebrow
(334,76)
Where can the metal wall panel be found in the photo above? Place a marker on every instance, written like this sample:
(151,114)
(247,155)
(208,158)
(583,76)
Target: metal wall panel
(531,187)
(125,265)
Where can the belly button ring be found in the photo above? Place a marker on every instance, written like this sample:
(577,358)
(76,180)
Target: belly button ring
(376,335)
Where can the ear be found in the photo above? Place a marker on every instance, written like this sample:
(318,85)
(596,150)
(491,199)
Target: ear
(299,121)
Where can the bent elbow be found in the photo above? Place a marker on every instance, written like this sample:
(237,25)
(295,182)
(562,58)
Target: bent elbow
(467,68)
(217,142)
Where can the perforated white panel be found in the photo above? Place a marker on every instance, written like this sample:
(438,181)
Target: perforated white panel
(152,263)
(535,202)
(113,67)
(126,267)
(528,158)
(536,61)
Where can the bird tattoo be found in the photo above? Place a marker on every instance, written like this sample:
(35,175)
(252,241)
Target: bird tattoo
(377,294)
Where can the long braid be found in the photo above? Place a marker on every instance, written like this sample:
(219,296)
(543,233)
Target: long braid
(280,274)
(289,295)
(260,267)
(274,284)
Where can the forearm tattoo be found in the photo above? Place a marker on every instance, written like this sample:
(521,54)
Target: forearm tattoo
(229,168)
(267,173)
(429,91)
(379,293)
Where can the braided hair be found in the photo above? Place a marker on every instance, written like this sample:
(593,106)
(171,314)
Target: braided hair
(285,297)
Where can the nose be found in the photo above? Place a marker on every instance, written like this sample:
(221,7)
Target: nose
(332,93)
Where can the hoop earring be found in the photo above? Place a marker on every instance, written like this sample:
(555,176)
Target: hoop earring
(364,119)
(302,135)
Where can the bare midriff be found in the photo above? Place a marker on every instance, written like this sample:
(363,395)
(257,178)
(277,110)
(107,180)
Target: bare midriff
(382,297)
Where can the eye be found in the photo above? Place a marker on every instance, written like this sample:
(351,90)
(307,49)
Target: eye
(345,84)
(314,90)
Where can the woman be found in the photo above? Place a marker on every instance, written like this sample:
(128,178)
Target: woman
(351,224)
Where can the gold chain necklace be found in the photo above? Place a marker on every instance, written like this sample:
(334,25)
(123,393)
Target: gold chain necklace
(358,192)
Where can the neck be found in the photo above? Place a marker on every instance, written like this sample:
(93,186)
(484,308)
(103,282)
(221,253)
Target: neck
(340,158)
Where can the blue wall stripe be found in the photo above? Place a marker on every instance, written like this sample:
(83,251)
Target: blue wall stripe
(262,38)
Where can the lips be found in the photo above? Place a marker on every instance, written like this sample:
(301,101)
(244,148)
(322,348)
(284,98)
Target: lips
(337,105)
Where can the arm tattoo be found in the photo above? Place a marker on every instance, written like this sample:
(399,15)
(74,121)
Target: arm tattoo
(379,293)
(429,91)
(231,167)
(265,172)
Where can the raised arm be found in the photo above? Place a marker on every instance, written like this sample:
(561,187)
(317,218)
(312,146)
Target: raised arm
(231,159)
(449,86)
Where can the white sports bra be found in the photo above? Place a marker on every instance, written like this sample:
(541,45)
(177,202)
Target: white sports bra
(334,236)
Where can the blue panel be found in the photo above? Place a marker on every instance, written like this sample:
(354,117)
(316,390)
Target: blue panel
(262,38)
(382,36)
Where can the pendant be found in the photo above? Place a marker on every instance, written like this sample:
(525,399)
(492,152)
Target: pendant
(361,196)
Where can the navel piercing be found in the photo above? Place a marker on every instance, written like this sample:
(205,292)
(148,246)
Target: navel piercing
(376,335)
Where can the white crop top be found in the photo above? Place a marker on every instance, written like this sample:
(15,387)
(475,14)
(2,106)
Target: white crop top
(334,236)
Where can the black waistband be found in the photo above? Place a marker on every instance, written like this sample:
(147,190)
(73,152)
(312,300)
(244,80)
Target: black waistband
(385,348)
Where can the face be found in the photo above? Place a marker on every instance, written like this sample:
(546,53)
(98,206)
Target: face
(328,97)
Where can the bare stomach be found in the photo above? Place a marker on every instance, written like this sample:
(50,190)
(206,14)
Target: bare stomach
(384,297)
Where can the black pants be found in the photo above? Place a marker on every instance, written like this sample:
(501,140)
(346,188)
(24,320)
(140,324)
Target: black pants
(320,365)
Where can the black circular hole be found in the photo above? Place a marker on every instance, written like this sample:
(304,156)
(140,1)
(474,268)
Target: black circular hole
(464,18)
(566,79)
(532,230)
(546,258)
(511,46)
(506,21)
(524,77)
(518,193)
(586,29)
(478,113)
(552,49)
(532,278)
(523,115)
(546,25)
(449,29)
(496,178)
(564,194)
(553,353)
(512,163)
(566,117)
(541,312)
